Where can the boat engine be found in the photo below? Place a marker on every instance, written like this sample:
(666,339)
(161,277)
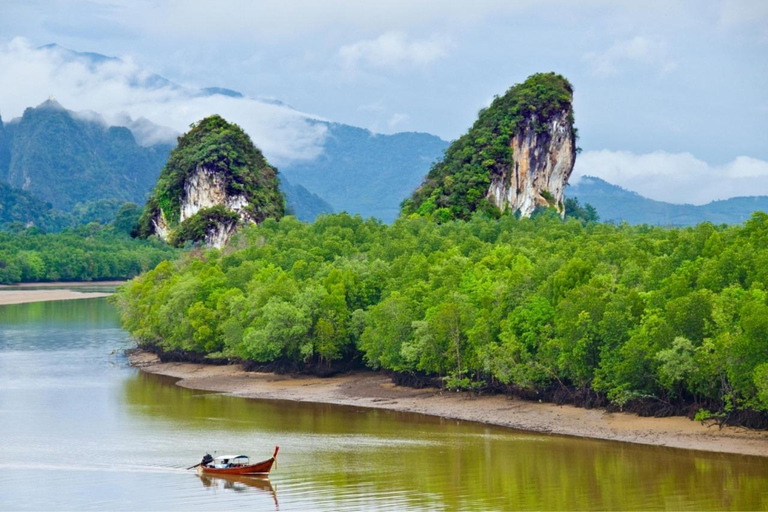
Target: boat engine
(207,459)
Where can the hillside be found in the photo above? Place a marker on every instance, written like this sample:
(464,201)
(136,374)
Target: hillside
(62,158)
(301,203)
(366,173)
(20,209)
(214,182)
(617,204)
(517,156)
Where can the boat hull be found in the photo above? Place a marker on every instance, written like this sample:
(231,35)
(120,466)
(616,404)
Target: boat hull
(260,468)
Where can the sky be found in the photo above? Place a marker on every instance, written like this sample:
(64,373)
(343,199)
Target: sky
(670,96)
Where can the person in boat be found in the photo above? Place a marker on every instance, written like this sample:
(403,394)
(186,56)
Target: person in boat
(207,460)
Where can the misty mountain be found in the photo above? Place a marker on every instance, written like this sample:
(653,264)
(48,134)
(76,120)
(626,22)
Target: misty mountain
(617,204)
(301,203)
(64,159)
(55,162)
(366,173)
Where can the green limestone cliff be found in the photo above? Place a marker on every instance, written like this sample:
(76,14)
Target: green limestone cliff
(517,156)
(215,181)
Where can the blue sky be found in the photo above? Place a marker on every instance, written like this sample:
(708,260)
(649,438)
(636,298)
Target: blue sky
(673,90)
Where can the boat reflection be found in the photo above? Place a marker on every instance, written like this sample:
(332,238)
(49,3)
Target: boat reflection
(240,483)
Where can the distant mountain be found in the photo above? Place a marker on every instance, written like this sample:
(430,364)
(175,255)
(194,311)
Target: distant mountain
(62,158)
(210,91)
(367,173)
(301,203)
(92,60)
(21,208)
(5,149)
(614,203)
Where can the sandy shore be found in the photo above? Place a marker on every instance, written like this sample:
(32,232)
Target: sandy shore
(371,389)
(10,295)
(60,284)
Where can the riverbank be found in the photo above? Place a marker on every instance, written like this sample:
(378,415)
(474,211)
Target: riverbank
(375,390)
(41,292)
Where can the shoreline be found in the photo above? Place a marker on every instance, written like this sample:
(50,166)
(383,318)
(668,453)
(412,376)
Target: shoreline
(59,284)
(374,390)
(26,293)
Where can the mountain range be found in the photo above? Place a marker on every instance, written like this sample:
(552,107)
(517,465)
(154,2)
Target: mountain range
(616,204)
(54,162)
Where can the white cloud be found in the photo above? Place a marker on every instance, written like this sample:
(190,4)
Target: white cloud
(116,88)
(396,119)
(394,49)
(675,177)
(646,51)
(735,13)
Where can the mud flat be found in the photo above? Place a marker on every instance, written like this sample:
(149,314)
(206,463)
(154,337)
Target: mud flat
(375,390)
(41,292)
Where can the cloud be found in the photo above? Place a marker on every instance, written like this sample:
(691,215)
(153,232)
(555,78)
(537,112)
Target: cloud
(745,16)
(394,49)
(675,177)
(396,119)
(118,88)
(735,13)
(640,50)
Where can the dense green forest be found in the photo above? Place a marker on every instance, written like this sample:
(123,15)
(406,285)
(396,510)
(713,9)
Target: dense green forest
(456,187)
(598,314)
(88,253)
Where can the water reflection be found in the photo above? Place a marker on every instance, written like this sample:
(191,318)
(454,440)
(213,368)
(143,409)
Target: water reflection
(240,483)
(64,399)
(422,461)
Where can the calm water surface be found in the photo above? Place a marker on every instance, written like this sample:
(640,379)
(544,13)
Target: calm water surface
(81,430)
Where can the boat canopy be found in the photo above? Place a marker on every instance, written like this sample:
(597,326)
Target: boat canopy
(230,457)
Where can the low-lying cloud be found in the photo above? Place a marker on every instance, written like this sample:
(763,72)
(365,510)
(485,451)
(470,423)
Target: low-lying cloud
(119,89)
(675,177)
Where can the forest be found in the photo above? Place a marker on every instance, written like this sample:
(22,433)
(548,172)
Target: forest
(657,320)
(92,252)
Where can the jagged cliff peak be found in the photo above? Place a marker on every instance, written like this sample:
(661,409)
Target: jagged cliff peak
(215,181)
(51,103)
(517,156)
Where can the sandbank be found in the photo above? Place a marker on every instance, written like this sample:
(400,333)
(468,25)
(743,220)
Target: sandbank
(376,390)
(17,295)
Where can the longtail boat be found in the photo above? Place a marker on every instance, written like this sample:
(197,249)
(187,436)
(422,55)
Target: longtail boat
(235,465)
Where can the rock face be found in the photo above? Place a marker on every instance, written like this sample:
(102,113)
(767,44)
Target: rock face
(206,188)
(542,162)
(214,182)
(517,157)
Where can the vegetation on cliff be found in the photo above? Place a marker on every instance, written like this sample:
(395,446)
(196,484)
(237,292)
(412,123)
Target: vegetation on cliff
(571,311)
(456,187)
(223,148)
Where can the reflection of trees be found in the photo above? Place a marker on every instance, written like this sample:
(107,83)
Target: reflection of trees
(95,313)
(434,463)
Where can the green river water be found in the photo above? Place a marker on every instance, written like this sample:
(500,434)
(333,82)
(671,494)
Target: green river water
(80,429)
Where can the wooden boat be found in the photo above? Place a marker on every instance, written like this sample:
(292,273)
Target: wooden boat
(235,465)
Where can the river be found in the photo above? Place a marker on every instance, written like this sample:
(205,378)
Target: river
(81,429)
